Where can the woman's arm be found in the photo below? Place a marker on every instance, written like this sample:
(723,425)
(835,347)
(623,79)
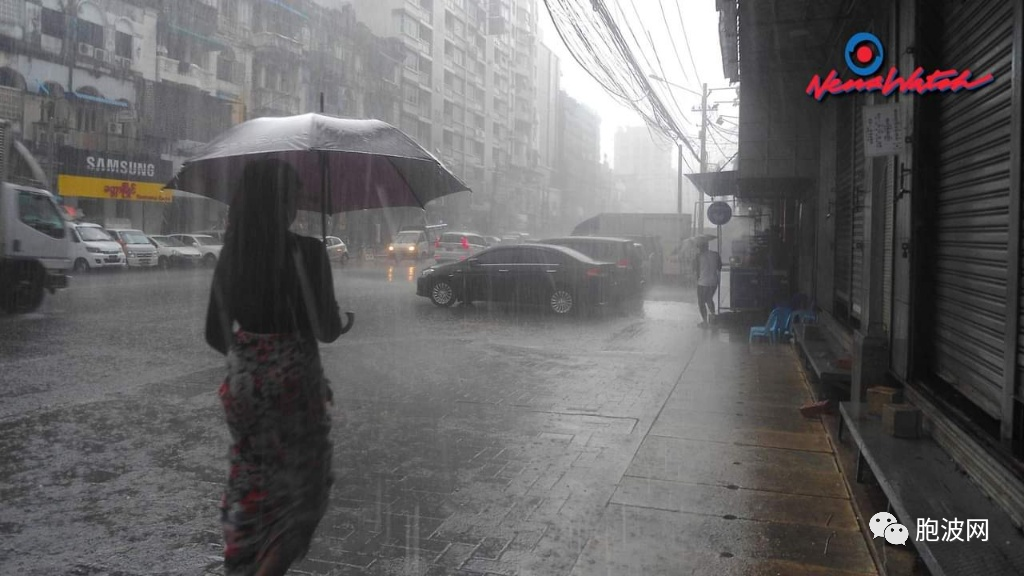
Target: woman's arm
(218,321)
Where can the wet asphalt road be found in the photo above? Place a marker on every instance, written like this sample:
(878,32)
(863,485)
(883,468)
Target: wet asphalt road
(470,440)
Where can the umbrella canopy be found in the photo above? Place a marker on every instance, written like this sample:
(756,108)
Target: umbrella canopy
(344,164)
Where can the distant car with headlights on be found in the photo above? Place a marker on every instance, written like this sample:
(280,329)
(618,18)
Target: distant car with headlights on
(409,244)
(456,246)
(139,251)
(92,247)
(209,246)
(173,252)
(337,251)
(561,279)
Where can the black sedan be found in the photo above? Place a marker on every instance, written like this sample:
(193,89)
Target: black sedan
(559,278)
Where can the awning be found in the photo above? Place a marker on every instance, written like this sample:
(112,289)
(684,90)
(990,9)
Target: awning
(101,100)
(211,41)
(288,8)
(730,183)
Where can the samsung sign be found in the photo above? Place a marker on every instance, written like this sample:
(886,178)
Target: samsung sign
(122,168)
(135,167)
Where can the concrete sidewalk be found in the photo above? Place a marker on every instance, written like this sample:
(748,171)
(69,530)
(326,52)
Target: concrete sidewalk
(731,479)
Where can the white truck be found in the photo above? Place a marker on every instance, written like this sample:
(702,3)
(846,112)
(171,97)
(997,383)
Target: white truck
(34,237)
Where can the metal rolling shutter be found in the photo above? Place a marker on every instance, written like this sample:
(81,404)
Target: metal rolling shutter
(972,205)
(857,192)
(890,201)
(843,207)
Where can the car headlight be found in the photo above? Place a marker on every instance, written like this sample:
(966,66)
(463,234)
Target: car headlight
(175,253)
(93,250)
(391,248)
(130,253)
(412,248)
(427,272)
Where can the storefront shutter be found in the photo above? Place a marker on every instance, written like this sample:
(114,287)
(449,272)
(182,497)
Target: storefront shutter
(971,217)
(857,191)
(843,209)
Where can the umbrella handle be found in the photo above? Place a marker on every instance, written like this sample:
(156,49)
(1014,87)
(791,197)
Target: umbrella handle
(351,320)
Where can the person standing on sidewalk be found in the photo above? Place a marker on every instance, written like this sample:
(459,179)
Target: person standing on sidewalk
(707,267)
(277,287)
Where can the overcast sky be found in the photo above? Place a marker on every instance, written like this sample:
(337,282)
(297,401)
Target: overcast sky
(701,21)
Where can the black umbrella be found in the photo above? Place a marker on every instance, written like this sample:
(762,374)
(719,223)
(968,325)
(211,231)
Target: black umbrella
(344,164)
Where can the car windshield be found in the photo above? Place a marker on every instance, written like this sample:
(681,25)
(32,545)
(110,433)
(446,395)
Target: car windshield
(168,242)
(581,409)
(90,233)
(134,237)
(407,238)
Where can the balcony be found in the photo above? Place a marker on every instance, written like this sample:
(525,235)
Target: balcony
(418,45)
(272,41)
(185,73)
(232,29)
(413,8)
(269,102)
(425,79)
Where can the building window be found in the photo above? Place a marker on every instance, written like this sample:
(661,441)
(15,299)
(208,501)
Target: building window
(411,93)
(89,33)
(123,45)
(53,23)
(12,11)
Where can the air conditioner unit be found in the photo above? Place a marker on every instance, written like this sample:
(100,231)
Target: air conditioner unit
(85,49)
(115,128)
(123,62)
(100,54)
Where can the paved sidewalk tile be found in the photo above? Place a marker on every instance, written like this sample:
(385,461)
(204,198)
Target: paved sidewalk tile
(731,480)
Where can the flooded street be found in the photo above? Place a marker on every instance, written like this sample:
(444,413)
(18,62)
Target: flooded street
(468,440)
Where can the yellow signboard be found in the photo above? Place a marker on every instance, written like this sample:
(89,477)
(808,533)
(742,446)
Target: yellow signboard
(107,189)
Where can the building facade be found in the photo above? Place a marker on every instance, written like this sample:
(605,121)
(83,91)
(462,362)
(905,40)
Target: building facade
(135,86)
(470,95)
(912,249)
(579,174)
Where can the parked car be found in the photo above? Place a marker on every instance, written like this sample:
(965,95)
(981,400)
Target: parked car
(627,255)
(492,240)
(456,246)
(138,250)
(217,234)
(337,251)
(174,252)
(559,278)
(411,244)
(209,246)
(92,247)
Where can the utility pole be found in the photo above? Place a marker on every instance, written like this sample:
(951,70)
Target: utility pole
(703,151)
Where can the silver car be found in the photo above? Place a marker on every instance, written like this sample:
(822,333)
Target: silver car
(457,246)
(140,252)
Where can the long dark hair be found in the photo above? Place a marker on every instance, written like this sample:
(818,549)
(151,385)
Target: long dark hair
(256,244)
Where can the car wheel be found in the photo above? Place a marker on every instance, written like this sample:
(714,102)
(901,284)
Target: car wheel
(209,260)
(561,301)
(163,263)
(81,265)
(25,293)
(442,293)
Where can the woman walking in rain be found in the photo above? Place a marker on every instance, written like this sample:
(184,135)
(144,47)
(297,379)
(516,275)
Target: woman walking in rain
(277,288)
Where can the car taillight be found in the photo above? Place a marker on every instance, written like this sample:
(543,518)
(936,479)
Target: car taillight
(593,272)
(624,263)
(465,243)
